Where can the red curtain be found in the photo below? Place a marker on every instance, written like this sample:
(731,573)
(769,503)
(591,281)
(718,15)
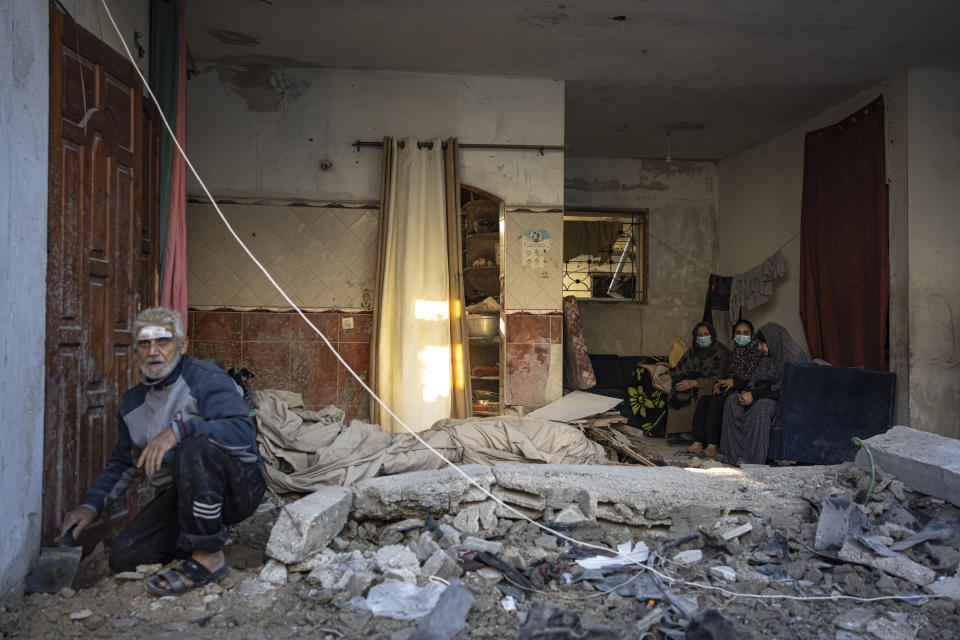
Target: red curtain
(844,266)
(173,292)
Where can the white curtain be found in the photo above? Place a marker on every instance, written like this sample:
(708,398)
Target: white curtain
(411,355)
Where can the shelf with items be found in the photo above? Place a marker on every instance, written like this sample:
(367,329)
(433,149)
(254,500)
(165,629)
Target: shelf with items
(482,280)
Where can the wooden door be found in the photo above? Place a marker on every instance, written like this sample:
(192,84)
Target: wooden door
(98,227)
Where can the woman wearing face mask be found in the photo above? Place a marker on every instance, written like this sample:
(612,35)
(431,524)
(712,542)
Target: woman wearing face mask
(695,375)
(748,415)
(708,417)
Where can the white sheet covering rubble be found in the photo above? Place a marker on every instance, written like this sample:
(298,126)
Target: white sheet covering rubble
(304,450)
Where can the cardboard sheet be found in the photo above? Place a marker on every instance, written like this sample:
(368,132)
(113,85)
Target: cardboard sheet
(576,405)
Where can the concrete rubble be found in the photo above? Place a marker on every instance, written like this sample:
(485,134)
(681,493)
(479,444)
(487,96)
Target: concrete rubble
(371,561)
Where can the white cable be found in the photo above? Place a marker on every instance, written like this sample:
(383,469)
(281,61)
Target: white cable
(146,87)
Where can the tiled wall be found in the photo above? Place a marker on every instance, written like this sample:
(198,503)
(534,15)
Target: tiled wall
(534,342)
(285,353)
(529,287)
(323,257)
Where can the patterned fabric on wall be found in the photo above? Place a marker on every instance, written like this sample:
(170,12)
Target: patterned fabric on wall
(648,398)
(577,369)
(324,258)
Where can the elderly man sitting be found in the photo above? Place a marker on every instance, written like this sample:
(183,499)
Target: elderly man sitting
(186,426)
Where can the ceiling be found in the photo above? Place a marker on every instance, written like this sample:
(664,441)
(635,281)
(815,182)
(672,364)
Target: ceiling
(722,75)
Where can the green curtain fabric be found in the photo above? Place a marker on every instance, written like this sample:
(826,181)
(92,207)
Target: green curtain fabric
(164,62)
(588,237)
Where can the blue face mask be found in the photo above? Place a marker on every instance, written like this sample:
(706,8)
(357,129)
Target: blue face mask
(704,341)
(742,340)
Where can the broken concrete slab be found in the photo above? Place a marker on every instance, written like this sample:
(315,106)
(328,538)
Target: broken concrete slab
(316,519)
(924,462)
(420,493)
(468,520)
(648,496)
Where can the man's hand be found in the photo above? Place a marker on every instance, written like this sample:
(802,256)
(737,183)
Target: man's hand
(152,457)
(746,398)
(81,517)
(683,385)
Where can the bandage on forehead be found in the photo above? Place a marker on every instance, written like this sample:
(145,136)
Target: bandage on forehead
(153,332)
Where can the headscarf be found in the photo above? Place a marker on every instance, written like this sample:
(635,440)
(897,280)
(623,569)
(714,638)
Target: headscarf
(782,350)
(705,352)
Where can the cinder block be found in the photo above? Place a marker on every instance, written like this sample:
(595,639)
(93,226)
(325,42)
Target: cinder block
(318,518)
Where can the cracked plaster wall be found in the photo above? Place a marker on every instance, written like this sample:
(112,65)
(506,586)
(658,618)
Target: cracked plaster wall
(933,113)
(24,95)
(681,247)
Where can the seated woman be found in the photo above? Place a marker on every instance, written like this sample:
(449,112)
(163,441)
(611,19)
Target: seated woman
(748,415)
(708,418)
(694,376)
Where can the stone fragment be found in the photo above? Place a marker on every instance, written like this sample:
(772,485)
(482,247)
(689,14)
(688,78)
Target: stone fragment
(359,582)
(895,531)
(67,592)
(94,622)
(947,558)
(685,558)
(471,543)
(949,587)
(854,619)
(722,572)
(897,488)
(570,514)
(468,520)
(149,569)
(83,614)
(488,516)
(737,532)
(319,517)
(426,547)
(399,562)
(490,575)
(124,623)
(885,629)
(904,567)
(274,573)
(129,575)
(546,541)
(441,565)
(923,461)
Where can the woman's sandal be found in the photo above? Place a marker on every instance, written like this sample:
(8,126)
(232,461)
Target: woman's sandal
(190,569)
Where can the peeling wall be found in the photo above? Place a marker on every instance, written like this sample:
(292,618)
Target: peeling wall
(759,209)
(264,132)
(934,250)
(24,96)
(682,247)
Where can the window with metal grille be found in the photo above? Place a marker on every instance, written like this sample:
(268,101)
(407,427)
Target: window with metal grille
(604,254)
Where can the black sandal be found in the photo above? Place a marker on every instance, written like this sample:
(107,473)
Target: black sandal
(190,569)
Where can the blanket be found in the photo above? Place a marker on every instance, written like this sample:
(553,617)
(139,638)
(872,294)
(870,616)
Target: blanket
(303,450)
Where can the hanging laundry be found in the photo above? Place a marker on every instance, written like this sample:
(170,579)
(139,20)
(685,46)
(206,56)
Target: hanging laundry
(755,286)
(718,296)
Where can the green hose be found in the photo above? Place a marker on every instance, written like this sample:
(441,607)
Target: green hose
(859,443)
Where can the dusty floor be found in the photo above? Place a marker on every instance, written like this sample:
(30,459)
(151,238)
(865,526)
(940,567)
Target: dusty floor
(774,558)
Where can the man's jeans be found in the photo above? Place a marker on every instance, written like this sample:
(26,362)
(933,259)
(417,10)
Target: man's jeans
(210,490)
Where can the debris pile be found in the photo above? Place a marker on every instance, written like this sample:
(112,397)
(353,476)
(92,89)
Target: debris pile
(427,555)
